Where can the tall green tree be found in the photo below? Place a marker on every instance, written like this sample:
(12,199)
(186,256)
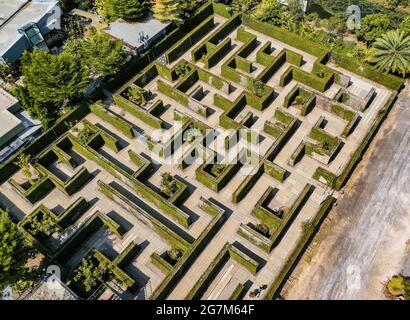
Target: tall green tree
(130,9)
(101,54)
(391,52)
(372,27)
(14,252)
(53,78)
(166,10)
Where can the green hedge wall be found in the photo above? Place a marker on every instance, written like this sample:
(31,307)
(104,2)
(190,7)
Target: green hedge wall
(163,290)
(274,170)
(287,37)
(218,54)
(209,275)
(357,155)
(170,236)
(190,39)
(172,93)
(369,72)
(222,10)
(243,259)
(138,112)
(325,174)
(280,279)
(238,293)
(8,168)
(122,125)
(246,185)
(161,263)
(71,213)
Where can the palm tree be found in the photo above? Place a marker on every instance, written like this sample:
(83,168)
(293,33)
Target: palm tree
(391,52)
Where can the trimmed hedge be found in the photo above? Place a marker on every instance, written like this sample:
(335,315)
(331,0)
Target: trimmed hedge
(161,263)
(246,185)
(308,79)
(71,213)
(163,290)
(121,124)
(351,64)
(329,177)
(169,235)
(209,275)
(246,261)
(216,183)
(357,155)
(173,93)
(138,111)
(222,10)
(8,168)
(238,293)
(228,251)
(37,191)
(287,37)
(305,239)
(274,170)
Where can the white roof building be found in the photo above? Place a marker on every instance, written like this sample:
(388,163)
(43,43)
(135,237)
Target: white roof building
(23,23)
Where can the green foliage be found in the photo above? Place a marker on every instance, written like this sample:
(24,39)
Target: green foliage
(85,134)
(182,69)
(130,9)
(168,184)
(258,88)
(90,273)
(53,78)
(101,54)
(138,95)
(405,25)
(14,252)
(175,254)
(243,6)
(270,11)
(395,286)
(41,224)
(166,10)
(391,52)
(217,169)
(23,162)
(372,27)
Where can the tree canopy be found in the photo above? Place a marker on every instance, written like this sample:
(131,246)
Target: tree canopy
(53,78)
(166,10)
(391,52)
(372,27)
(130,9)
(14,252)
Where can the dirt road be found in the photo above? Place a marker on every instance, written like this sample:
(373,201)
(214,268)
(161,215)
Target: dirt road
(364,241)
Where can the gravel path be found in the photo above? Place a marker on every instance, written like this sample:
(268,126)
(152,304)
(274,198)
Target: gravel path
(366,238)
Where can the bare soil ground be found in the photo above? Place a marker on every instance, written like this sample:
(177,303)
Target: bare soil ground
(365,239)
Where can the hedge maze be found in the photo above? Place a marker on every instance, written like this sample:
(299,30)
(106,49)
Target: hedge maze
(208,170)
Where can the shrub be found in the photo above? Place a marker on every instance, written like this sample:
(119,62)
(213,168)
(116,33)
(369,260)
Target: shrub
(262,229)
(175,254)
(90,273)
(182,69)
(217,169)
(258,88)
(138,95)
(168,184)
